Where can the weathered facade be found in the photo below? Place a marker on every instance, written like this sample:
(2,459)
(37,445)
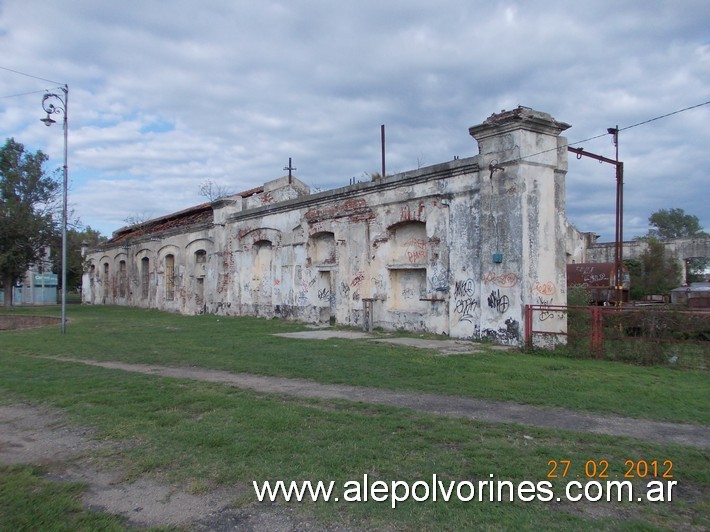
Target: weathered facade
(457,248)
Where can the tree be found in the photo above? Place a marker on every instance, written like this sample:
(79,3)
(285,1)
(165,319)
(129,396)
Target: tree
(27,198)
(138,218)
(656,272)
(213,191)
(674,223)
(76,239)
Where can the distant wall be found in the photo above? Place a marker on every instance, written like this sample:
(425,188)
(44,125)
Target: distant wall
(679,248)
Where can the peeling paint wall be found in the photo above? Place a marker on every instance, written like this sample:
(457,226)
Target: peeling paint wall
(458,248)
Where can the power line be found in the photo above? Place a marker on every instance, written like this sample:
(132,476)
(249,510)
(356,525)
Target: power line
(21,94)
(664,116)
(620,129)
(30,75)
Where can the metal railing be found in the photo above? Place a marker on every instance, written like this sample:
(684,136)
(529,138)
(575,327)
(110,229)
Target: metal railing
(634,334)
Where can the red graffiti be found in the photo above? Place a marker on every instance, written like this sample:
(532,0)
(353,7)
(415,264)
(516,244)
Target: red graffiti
(359,278)
(504,280)
(408,215)
(416,250)
(545,289)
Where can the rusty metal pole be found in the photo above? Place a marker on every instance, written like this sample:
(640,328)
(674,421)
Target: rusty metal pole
(619,228)
(528,326)
(382,135)
(619,231)
(620,180)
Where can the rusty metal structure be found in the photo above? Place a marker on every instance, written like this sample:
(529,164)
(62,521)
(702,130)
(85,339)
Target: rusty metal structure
(600,280)
(619,230)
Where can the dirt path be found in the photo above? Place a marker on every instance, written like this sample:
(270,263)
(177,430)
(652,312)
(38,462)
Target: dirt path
(444,405)
(39,435)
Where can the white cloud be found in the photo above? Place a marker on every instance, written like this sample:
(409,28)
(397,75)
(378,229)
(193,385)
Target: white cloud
(163,98)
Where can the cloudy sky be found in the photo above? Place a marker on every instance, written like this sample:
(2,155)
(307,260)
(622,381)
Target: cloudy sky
(165,96)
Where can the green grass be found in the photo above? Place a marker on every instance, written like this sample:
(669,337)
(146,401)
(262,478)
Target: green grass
(246,345)
(29,502)
(203,436)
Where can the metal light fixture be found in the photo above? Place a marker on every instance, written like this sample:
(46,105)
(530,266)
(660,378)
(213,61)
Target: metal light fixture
(48,120)
(61,107)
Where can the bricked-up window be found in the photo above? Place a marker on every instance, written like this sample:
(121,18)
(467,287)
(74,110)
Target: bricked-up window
(122,279)
(321,248)
(169,277)
(107,281)
(145,277)
(410,243)
(200,256)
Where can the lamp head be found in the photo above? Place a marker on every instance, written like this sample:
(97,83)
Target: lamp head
(48,121)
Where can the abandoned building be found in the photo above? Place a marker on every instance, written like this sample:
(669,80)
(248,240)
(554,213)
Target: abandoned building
(458,248)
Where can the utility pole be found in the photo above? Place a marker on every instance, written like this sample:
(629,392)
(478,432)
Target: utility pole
(382,139)
(619,229)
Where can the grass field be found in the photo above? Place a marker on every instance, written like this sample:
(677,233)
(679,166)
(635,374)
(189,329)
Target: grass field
(206,436)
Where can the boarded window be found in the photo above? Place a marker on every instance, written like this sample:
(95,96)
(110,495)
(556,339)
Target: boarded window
(408,288)
(145,277)
(262,280)
(122,279)
(321,249)
(107,280)
(200,263)
(409,243)
(169,277)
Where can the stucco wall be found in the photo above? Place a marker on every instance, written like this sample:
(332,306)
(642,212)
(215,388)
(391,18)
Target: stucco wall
(457,248)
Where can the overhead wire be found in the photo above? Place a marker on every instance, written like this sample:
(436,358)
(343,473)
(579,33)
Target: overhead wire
(21,94)
(30,75)
(666,115)
(620,129)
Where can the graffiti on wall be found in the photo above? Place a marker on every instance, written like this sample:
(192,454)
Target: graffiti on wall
(507,334)
(408,293)
(416,250)
(439,279)
(465,303)
(464,288)
(324,294)
(548,313)
(465,307)
(407,214)
(498,302)
(358,279)
(545,289)
(503,280)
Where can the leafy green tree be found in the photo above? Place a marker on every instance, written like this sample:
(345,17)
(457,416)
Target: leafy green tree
(660,272)
(635,268)
(668,224)
(27,197)
(76,239)
(674,223)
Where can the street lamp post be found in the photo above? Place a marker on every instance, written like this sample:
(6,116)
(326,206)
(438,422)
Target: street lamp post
(52,104)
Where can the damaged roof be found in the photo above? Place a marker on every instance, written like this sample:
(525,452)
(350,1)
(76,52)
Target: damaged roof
(198,214)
